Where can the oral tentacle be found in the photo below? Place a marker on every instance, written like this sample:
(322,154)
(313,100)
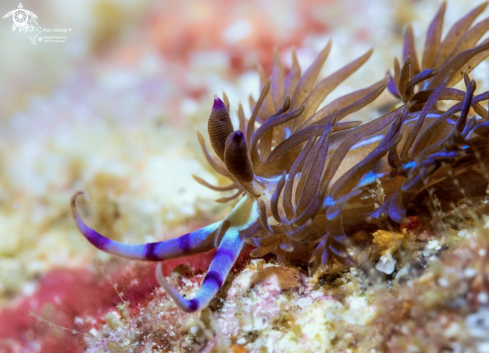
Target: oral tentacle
(241,218)
(224,259)
(192,243)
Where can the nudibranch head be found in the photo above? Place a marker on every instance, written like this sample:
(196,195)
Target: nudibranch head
(305,176)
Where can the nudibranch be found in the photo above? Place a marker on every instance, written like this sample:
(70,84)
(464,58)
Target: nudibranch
(305,177)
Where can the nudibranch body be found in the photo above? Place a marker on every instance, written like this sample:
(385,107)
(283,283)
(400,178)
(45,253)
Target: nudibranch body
(305,178)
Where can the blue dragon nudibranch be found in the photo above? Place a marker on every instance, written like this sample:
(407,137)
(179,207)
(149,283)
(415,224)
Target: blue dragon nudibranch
(305,177)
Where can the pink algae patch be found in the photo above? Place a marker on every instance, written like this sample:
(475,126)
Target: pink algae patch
(78,300)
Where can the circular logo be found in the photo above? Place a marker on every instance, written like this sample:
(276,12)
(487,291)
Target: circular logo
(20,17)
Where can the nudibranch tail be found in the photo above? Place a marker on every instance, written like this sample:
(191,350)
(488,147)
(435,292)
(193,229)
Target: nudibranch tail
(198,241)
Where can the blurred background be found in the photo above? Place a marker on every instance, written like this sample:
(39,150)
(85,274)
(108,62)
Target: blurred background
(114,109)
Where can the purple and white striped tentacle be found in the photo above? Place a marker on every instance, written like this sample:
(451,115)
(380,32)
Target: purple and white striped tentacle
(224,259)
(240,220)
(199,241)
